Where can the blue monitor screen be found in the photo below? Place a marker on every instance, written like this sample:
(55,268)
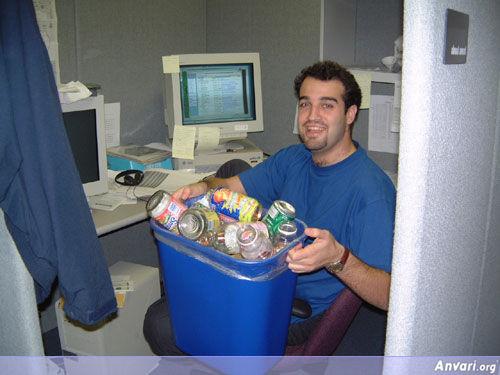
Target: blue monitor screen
(217,93)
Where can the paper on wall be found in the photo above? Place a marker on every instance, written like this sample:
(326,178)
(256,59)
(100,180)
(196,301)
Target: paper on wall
(183,142)
(364,80)
(46,17)
(170,64)
(112,120)
(380,119)
(396,109)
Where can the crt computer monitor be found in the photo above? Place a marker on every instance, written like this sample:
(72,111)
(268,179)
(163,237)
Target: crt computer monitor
(215,90)
(85,127)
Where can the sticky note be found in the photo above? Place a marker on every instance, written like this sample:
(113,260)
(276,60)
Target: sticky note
(364,80)
(170,64)
(208,138)
(183,142)
(120,299)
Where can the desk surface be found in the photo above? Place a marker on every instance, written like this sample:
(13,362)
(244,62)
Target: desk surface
(126,214)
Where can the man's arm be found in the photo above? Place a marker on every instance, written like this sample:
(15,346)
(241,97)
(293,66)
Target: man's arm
(202,187)
(371,284)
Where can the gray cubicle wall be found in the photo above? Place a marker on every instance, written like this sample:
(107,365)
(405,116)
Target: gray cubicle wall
(375,40)
(119,44)
(445,279)
(354,35)
(286,34)
(20,333)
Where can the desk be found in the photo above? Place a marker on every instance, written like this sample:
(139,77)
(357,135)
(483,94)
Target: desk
(122,216)
(125,234)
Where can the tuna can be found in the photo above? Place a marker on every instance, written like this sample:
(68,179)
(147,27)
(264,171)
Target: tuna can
(238,206)
(165,209)
(279,212)
(197,222)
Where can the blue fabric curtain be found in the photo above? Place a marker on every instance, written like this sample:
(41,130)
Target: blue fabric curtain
(40,189)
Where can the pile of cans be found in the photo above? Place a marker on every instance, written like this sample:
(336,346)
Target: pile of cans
(228,222)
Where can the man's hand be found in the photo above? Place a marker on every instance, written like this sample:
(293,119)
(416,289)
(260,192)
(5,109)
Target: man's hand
(324,250)
(202,187)
(370,283)
(189,191)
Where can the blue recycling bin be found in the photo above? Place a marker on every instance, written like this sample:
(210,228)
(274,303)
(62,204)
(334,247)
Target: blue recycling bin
(224,306)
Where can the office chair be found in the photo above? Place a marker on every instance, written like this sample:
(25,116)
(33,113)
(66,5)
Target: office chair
(331,328)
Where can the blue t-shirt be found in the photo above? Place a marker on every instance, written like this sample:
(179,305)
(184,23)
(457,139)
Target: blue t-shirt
(354,199)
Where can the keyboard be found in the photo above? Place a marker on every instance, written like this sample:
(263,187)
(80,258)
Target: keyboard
(153,179)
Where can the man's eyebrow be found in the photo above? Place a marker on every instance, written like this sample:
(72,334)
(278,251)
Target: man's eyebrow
(322,98)
(329,98)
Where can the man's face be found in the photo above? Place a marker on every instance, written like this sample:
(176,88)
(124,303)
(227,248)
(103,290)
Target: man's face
(323,123)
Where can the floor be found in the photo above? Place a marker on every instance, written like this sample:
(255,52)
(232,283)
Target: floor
(365,337)
(51,343)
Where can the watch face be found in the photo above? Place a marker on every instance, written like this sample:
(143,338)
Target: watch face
(335,267)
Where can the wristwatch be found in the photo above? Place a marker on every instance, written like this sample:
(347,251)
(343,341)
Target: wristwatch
(339,265)
(204,179)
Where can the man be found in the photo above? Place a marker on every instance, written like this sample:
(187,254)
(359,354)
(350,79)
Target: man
(346,200)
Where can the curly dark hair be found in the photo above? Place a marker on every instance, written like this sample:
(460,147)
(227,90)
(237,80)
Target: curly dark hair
(330,70)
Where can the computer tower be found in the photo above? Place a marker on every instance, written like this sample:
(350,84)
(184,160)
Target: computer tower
(136,288)
(206,162)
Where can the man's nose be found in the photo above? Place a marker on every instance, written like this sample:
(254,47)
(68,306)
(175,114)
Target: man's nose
(314,112)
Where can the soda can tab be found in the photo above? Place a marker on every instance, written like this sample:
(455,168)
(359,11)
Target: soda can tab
(238,206)
(279,212)
(165,209)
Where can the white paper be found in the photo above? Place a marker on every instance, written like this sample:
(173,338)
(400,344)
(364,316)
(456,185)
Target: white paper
(72,91)
(109,201)
(112,120)
(208,138)
(396,109)
(170,64)
(122,283)
(380,119)
(364,80)
(46,17)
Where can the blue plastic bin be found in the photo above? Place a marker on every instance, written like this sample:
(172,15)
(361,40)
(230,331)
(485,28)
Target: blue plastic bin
(220,305)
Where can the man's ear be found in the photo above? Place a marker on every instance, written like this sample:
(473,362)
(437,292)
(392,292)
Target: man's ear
(351,114)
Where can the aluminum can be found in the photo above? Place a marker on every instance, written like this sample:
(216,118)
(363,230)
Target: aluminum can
(238,206)
(254,245)
(278,212)
(199,201)
(165,209)
(197,222)
(226,238)
(287,233)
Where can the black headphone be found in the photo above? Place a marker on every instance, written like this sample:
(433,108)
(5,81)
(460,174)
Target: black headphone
(132,177)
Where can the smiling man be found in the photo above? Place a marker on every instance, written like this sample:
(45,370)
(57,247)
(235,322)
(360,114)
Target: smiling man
(346,200)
